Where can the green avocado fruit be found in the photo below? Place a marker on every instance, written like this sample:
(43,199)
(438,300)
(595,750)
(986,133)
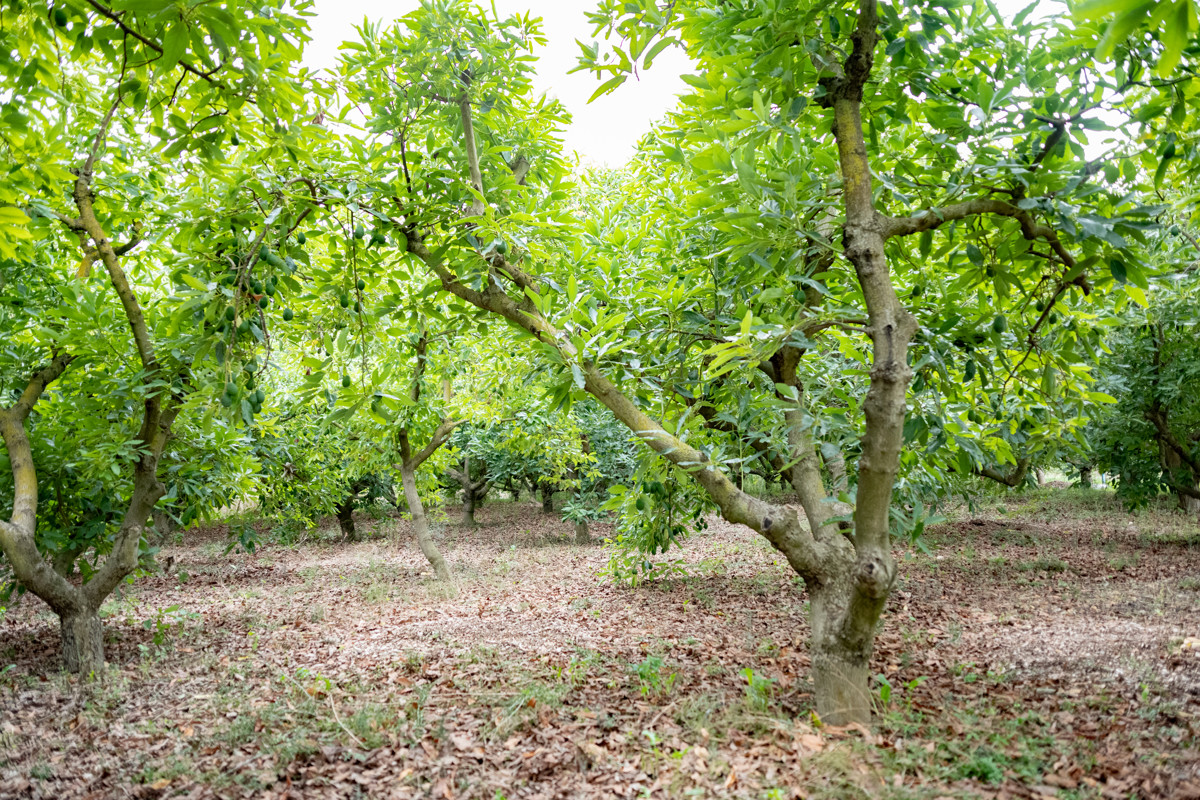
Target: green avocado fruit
(230,313)
(345,381)
(287,315)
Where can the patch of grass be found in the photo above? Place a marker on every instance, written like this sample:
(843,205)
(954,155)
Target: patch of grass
(975,742)
(1189,584)
(653,678)
(527,704)
(1123,561)
(1041,564)
(1183,536)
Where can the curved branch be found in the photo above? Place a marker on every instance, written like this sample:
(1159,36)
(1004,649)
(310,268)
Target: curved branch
(1013,478)
(932,218)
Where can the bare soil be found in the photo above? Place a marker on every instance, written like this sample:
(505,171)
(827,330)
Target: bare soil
(1046,648)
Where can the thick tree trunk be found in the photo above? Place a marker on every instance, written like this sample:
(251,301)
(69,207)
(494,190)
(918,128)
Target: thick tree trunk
(82,642)
(840,667)
(345,517)
(1189,504)
(469,506)
(547,500)
(1085,477)
(582,534)
(420,524)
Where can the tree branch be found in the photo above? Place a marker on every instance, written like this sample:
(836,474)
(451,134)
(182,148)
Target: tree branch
(104,11)
(1013,478)
(464,107)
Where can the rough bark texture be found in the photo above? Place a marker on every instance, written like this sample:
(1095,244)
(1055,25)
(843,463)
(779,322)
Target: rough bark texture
(469,509)
(345,518)
(82,642)
(1085,477)
(582,534)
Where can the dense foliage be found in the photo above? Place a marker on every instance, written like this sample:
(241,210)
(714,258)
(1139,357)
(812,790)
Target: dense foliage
(878,251)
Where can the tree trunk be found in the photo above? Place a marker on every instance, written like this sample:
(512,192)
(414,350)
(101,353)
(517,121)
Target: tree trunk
(1189,504)
(469,506)
(345,517)
(408,478)
(82,643)
(1085,477)
(582,534)
(841,668)
(64,561)
(547,500)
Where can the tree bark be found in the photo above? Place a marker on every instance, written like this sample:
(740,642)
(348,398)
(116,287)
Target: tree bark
(582,535)
(408,479)
(469,506)
(547,499)
(82,642)
(345,517)
(1085,477)
(1013,478)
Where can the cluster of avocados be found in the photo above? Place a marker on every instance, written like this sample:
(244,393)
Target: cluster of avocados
(249,392)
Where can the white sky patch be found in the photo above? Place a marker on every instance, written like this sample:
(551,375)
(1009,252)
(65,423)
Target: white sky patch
(605,131)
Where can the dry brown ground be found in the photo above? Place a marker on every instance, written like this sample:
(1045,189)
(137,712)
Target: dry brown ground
(1038,650)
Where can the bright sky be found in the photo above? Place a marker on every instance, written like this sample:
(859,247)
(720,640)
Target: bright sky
(607,130)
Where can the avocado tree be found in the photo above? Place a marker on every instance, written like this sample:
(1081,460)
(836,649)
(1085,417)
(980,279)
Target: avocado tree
(834,179)
(1149,440)
(119,123)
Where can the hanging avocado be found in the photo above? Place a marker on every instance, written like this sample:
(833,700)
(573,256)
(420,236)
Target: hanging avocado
(344,300)
(359,232)
(287,315)
(361,284)
(301,239)
(230,313)
(999,324)
(263,303)
(345,381)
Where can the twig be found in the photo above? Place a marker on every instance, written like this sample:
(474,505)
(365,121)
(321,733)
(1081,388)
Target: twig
(332,707)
